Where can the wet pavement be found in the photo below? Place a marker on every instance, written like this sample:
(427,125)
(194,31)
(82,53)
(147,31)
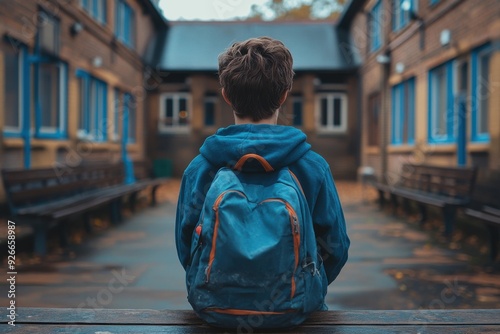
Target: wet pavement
(393,264)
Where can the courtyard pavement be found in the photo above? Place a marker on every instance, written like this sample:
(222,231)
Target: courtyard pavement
(393,264)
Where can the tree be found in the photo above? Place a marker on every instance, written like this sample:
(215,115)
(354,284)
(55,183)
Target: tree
(295,10)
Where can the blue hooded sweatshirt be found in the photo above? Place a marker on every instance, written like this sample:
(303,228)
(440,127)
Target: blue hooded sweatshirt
(281,146)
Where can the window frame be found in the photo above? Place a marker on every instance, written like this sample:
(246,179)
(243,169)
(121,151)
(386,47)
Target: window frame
(91,7)
(451,129)
(401,18)
(59,132)
(403,112)
(94,125)
(375,26)
(175,128)
(125,23)
(11,131)
(484,50)
(330,128)
(129,104)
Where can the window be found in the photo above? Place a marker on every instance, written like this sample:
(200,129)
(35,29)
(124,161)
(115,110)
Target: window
(93,108)
(50,83)
(124,23)
(374,106)
(401,10)
(433,2)
(375,27)
(441,104)
(174,112)
(297,105)
(331,112)
(48,34)
(403,113)
(210,107)
(95,8)
(13,90)
(481,93)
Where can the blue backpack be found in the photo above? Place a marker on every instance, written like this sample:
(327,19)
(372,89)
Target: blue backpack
(254,261)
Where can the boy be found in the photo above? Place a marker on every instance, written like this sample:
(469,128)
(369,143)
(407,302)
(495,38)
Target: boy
(256,76)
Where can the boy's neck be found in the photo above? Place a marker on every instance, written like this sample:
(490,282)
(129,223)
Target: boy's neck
(271,121)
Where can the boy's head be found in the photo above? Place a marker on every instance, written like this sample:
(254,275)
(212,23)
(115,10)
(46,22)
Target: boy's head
(255,76)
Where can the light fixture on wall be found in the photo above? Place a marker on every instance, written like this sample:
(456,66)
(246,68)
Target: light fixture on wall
(445,37)
(383,59)
(97,61)
(399,68)
(76,28)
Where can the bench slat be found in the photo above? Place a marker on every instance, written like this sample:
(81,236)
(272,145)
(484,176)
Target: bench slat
(188,317)
(305,329)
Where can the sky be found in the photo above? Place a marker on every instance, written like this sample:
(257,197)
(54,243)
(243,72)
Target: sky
(207,9)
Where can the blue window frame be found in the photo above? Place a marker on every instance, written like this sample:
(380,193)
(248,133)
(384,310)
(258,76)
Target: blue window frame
(375,27)
(481,93)
(124,23)
(95,8)
(441,104)
(50,81)
(433,2)
(401,17)
(93,108)
(403,113)
(13,91)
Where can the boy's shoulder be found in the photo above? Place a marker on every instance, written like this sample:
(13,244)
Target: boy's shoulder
(314,161)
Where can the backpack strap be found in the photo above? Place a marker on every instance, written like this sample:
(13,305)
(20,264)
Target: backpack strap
(239,165)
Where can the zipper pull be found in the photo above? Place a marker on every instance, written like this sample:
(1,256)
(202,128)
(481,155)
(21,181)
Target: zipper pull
(296,224)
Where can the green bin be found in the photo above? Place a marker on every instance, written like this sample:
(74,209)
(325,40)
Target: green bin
(162,167)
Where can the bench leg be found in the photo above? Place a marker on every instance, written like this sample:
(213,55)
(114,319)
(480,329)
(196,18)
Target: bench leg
(395,204)
(449,213)
(493,231)
(423,213)
(40,246)
(132,201)
(87,223)
(381,199)
(406,206)
(153,195)
(115,212)
(63,234)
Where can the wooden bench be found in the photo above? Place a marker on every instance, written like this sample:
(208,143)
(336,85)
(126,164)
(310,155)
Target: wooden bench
(61,320)
(44,197)
(448,188)
(485,206)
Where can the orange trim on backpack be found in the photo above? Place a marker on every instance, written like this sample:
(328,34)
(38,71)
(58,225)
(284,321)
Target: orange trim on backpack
(297,180)
(267,166)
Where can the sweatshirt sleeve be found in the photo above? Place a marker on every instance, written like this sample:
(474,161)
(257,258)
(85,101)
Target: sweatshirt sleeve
(330,228)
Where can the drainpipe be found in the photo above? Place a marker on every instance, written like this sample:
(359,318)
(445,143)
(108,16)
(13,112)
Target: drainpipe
(385,60)
(127,163)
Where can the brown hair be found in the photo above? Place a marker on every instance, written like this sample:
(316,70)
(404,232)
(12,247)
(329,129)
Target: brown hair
(255,74)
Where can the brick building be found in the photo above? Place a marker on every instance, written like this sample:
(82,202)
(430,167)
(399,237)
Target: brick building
(72,82)
(430,81)
(187,107)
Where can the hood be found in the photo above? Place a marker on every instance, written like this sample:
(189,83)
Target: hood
(280,145)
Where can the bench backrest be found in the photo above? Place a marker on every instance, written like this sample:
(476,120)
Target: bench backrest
(27,187)
(451,181)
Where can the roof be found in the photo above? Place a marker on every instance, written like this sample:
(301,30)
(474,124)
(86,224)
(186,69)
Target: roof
(156,14)
(195,46)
